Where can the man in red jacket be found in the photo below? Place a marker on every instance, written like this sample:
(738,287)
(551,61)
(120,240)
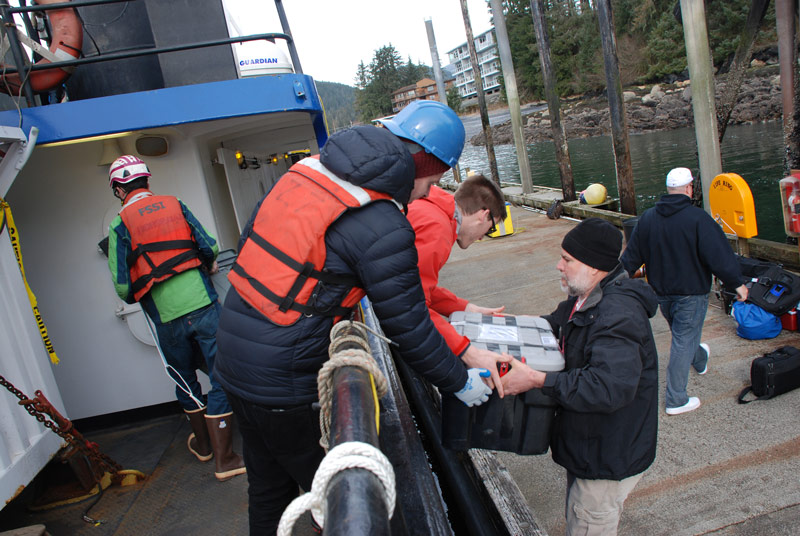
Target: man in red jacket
(439,220)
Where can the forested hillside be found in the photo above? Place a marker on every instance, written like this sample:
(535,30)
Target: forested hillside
(649,39)
(339,102)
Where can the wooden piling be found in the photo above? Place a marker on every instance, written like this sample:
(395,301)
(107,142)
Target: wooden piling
(553,104)
(512,96)
(476,73)
(619,124)
(698,56)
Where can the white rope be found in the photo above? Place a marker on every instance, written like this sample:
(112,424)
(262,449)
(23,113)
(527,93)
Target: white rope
(345,456)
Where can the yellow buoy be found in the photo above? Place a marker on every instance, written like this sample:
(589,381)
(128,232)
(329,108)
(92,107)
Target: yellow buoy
(594,195)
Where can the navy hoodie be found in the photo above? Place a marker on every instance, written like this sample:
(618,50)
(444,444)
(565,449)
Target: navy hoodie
(681,247)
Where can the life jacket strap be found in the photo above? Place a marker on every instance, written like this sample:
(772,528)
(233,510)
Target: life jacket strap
(163,245)
(308,310)
(325,277)
(166,268)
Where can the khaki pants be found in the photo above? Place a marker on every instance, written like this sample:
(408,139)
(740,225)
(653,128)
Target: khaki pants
(595,506)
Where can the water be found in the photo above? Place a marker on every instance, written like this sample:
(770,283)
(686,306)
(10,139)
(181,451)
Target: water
(753,151)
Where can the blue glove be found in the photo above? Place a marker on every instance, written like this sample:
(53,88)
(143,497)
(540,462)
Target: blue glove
(475,392)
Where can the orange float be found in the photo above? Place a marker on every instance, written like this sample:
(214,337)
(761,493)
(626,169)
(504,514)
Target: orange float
(66,42)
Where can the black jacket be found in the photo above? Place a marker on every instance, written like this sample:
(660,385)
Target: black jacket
(607,418)
(277,365)
(680,246)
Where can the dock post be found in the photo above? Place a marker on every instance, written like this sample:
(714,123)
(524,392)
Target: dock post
(512,96)
(616,108)
(553,105)
(476,75)
(702,78)
(437,73)
(785,13)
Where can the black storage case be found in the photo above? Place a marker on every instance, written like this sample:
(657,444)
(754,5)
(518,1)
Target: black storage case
(517,423)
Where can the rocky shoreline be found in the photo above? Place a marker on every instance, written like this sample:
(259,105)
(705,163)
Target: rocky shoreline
(648,109)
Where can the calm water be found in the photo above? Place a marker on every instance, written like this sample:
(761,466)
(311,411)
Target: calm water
(753,151)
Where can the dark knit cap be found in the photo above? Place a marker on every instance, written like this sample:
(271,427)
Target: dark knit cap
(594,242)
(426,165)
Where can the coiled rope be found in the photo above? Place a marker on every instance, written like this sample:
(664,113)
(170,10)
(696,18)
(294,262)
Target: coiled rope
(352,454)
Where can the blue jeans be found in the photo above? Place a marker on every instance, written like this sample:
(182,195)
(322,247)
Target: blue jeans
(281,452)
(685,316)
(181,341)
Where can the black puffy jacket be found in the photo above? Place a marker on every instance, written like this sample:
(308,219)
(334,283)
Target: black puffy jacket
(607,417)
(273,365)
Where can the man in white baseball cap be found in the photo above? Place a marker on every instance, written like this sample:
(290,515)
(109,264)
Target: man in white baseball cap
(681,246)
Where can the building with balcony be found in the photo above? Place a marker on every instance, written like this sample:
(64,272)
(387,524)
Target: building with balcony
(425,89)
(488,61)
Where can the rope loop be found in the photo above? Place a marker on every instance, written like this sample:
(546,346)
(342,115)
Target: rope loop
(350,455)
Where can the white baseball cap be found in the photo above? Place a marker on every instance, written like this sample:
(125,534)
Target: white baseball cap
(680,176)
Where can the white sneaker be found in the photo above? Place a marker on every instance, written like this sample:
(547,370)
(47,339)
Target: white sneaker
(691,405)
(705,347)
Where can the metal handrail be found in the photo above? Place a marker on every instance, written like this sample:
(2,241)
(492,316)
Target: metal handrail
(149,51)
(7,16)
(63,5)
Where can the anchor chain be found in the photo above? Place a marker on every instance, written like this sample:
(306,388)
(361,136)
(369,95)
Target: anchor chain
(40,408)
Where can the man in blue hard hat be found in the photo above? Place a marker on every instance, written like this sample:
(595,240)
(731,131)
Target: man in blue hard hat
(330,231)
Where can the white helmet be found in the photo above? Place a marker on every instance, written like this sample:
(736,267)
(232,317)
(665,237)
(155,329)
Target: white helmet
(125,169)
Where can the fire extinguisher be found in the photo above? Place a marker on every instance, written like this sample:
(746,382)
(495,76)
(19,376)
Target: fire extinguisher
(790,199)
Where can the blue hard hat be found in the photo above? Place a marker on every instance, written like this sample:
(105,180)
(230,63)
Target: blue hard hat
(433,126)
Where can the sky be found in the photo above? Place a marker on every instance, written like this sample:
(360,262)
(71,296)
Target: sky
(333,36)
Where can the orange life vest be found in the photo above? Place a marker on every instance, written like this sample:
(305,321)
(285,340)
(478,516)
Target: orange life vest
(282,259)
(161,240)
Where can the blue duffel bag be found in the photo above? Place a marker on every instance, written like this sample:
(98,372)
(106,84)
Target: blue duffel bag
(754,322)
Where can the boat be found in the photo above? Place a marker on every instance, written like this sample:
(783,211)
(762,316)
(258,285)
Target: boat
(217,125)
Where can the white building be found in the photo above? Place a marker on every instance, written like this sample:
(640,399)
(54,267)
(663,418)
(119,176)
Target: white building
(488,61)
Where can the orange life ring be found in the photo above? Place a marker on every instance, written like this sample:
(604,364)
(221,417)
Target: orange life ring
(67,38)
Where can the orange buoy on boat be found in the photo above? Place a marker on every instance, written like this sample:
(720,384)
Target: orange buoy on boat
(65,43)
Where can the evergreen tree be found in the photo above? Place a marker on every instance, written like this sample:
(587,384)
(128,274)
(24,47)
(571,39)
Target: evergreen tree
(454,99)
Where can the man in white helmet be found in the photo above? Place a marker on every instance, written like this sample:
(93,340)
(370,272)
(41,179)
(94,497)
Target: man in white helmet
(681,246)
(160,256)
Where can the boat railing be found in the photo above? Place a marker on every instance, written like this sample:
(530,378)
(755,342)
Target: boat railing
(353,491)
(22,66)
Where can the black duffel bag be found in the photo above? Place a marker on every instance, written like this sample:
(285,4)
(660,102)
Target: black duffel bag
(773,374)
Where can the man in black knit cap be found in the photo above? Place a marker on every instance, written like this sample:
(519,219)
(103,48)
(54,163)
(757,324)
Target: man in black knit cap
(604,432)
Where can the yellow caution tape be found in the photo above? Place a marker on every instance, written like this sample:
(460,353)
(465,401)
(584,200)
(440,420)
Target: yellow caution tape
(7,220)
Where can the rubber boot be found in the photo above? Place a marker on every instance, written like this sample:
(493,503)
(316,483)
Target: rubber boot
(199,442)
(220,429)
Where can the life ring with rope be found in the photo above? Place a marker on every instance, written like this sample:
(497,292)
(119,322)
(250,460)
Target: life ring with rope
(66,41)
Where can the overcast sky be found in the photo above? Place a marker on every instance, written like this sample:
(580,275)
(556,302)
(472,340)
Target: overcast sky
(332,37)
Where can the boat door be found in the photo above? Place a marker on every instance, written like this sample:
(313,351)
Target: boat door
(25,444)
(248,181)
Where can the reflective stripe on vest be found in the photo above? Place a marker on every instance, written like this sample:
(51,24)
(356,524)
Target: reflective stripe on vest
(161,242)
(281,262)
